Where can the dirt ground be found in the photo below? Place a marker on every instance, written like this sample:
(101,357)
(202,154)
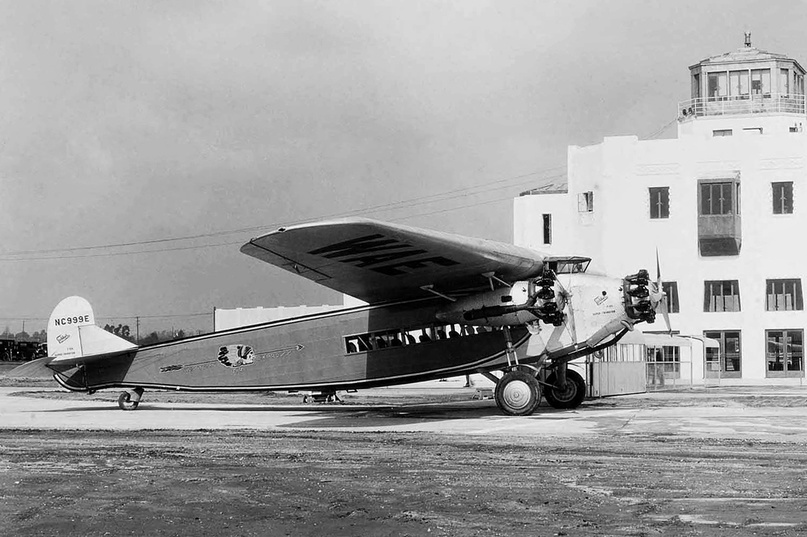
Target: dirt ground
(287,482)
(255,483)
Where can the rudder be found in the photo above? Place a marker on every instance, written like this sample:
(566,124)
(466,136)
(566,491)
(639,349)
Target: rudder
(73,334)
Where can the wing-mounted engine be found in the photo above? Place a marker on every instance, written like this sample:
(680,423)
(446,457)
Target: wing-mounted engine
(638,303)
(540,299)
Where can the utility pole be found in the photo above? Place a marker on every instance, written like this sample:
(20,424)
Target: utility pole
(137,330)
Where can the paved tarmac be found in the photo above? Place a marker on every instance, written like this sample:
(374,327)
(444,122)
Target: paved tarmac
(645,414)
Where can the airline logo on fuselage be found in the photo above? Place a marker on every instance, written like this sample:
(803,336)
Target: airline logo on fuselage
(382,255)
(63,321)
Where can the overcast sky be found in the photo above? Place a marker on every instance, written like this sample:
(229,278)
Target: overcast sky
(210,122)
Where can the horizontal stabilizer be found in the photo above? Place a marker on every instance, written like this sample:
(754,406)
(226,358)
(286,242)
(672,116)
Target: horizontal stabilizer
(73,335)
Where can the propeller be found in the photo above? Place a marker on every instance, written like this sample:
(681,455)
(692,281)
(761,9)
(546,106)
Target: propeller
(567,297)
(659,297)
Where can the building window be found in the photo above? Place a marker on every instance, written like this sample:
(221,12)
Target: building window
(753,130)
(719,198)
(659,202)
(784,353)
(671,290)
(547,229)
(585,202)
(782,197)
(663,363)
(721,295)
(725,360)
(721,132)
(783,295)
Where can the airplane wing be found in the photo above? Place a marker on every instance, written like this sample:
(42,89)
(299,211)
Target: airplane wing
(380,262)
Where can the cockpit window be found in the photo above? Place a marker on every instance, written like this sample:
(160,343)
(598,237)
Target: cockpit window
(570,265)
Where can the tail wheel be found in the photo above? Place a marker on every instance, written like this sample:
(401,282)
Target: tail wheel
(125,401)
(518,393)
(129,400)
(569,397)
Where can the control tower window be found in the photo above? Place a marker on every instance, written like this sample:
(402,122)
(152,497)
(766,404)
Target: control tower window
(761,82)
(738,84)
(784,81)
(718,88)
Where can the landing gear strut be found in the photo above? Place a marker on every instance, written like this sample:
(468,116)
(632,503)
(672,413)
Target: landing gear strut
(130,399)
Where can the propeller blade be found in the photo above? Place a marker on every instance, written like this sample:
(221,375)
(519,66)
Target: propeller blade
(570,323)
(663,300)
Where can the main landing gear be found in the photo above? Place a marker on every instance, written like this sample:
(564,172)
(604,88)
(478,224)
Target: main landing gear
(519,391)
(130,399)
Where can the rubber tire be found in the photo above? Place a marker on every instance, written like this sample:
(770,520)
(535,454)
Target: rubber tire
(125,401)
(518,393)
(572,397)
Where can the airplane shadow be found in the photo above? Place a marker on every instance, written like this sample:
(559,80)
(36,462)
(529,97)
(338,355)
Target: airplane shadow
(352,416)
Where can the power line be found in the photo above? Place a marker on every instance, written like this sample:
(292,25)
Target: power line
(422,200)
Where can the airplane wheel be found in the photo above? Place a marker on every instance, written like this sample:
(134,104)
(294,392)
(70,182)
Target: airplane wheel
(518,393)
(572,396)
(125,401)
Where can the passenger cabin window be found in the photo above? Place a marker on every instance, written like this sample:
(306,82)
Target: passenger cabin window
(547,221)
(659,202)
(783,295)
(585,202)
(671,290)
(721,295)
(390,339)
(782,197)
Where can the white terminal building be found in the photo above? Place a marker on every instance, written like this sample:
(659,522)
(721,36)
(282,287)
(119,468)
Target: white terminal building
(721,204)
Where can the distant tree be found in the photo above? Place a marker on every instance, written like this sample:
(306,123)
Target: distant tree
(122,330)
(22,336)
(7,334)
(40,337)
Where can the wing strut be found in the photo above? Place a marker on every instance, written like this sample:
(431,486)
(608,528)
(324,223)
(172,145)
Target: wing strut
(491,276)
(430,289)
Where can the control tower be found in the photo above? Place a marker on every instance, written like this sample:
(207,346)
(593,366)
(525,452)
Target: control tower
(746,90)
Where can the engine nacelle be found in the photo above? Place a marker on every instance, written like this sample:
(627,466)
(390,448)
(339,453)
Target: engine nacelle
(524,302)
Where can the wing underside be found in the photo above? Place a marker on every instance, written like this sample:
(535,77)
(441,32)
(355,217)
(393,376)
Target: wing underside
(378,262)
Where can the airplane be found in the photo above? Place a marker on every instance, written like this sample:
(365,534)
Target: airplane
(438,305)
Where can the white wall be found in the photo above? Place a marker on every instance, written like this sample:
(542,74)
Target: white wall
(622,238)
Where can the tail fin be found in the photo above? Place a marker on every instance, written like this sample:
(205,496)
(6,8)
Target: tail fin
(73,334)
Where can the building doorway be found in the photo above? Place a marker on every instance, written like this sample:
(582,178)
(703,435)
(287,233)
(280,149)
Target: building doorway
(725,361)
(784,353)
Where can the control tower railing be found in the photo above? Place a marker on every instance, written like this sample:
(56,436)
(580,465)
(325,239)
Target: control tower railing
(768,103)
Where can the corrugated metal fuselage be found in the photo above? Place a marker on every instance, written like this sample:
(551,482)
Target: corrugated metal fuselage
(305,353)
